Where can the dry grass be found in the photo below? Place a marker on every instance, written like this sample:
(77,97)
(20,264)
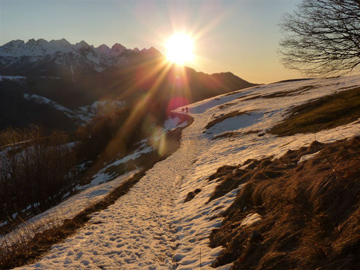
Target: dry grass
(249,97)
(226,105)
(293,80)
(324,113)
(290,93)
(235,134)
(229,134)
(310,211)
(229,178)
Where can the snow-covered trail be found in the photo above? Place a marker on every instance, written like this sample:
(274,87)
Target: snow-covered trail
(151,227)
(136,232)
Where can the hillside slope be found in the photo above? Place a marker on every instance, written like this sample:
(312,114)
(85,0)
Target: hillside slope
(74,77)
(166,220)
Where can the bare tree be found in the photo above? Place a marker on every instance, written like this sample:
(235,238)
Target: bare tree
(36,170)
(322,37)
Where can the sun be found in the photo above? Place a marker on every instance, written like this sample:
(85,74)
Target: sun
(180,49)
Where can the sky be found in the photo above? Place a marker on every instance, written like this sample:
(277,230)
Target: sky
(238,36)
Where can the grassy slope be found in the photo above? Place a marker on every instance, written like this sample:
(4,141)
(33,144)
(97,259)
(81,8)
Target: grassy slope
(324,113)
(310,211)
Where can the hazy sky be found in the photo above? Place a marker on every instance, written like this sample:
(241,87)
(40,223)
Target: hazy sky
(240,36)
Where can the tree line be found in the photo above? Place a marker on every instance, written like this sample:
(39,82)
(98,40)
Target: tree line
(35,171)
(38,168)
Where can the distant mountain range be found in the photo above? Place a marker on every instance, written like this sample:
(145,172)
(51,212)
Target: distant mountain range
(56,84)
(45,58)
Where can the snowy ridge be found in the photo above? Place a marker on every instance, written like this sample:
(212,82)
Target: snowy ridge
(63,53)
(82,114)
(40,47)
(44,100)
(152,227)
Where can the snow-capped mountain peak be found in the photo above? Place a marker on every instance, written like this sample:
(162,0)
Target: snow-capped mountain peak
(103,49)
(82,44)
(34,47)
(117,49)
(16,54)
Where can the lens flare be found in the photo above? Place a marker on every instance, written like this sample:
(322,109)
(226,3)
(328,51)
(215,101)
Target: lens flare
(175,103)
(158,140)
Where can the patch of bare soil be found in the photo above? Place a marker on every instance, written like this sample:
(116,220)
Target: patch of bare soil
(241,90)
(226,105)
(279,94)
(309,210)
(293,80)
(29,251)
(290,93)
(235,134)
(229,134)
(250,97)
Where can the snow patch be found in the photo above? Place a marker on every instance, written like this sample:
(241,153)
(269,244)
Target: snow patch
(12,78)
(66,210)
(236,123)
(251,219)
(151,227)
(172,123)
(307,157)
(102,176)
(44,100)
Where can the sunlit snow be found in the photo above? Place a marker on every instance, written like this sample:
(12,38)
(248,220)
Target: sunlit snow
(151,227)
